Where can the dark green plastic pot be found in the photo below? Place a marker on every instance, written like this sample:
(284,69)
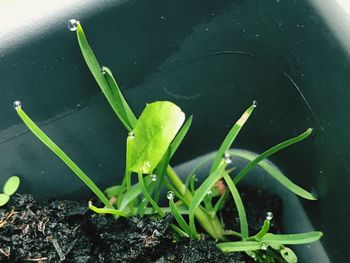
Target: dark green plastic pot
(212,59)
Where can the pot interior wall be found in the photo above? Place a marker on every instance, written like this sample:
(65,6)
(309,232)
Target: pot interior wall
(213,60)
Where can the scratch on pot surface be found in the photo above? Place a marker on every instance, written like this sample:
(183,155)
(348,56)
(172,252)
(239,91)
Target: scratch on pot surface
(297,88)
(265,61)
(45,123)
(185,97)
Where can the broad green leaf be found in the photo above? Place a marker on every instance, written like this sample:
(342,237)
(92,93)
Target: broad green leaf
(4,198)
(154,131)
(11,185)
(239,204)
(64,157)
(239,246)
(292,239)
(288,255)
(271,151)
(275,173)
(107,83)
(231,136)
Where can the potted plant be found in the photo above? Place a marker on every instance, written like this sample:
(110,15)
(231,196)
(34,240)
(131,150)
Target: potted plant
(153,139)
(293,116)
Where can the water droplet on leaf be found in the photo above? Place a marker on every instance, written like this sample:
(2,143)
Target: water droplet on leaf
(73,24)
(170,195)
(269,216)
(255,103)
(227,158)
(263,246)
(131,135)
(153,177)
(17,105)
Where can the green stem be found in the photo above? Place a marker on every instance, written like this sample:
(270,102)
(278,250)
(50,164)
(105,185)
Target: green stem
(211,224)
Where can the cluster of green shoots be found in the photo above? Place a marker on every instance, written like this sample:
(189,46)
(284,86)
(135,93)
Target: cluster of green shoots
(10,187)
(152,140)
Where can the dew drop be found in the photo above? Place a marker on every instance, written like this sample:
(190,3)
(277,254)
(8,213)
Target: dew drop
(263,246)
(209,192)
(153,177)
(269,216)
(170,195)
(103,71)
(255,103)
(17,105)
(73,24)
(131,135)
(227,158)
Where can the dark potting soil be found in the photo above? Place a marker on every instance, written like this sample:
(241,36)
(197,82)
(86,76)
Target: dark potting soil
(65,231)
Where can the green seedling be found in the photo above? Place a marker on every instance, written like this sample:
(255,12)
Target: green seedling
(10,187)
(152,140)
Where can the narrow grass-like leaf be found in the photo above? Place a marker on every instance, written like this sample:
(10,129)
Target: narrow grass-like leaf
(180,136)
(161,173)
(126,184)
(239,204)
(201,192)
(271,151)
(11,185)
(129,141)
(191,183)
(102,81)
(173,189)
(265,228)
(231,136)
(232,233)
(288,255)
(4,198)
(118,99)
(151,211)
(130,196)
(179,231)
(292,239)
(179,219)
(239,246)
(147,196)
(54,148)
(107,211)
(155,129)
(149,188)
(220,203)
(275,173)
